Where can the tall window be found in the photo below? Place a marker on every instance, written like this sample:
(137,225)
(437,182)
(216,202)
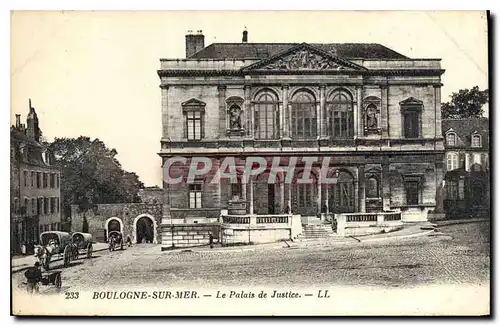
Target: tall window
(372,190)
(33,176)
(452,190)
(194,112)
(341,195)
(451,161)
(340,115)
(411,109)
(195,196)
(45,180)
(476,141)
(194,125)
(266,117)
(304,116)
(33,206)
(411,124)
(451,139)
(26,204)
(236,190)
(39,180)
(413,190)
(25,176)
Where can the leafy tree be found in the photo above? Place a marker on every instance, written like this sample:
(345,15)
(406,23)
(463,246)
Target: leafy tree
(92,175)
(466,103)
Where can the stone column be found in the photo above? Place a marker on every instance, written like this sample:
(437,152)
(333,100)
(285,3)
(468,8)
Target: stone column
(222,111)
(327,195)
(323,116)
(282,195)
(361,188)
(248,113)
(383,112)
(439,187)
(164,111)
(437,110)
(281,119)
(318,200)
(251,197)
(286,111)
(358,130)
(386,186)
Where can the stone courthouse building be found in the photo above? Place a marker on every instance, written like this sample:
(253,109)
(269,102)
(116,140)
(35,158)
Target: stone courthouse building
(373,112)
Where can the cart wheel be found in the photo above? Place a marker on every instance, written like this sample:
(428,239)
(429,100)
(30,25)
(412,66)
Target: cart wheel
(89,251)
(67,256)
(58,281)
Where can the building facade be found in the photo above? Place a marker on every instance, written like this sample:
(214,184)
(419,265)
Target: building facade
(467,178)
(137,221)
(35,183)
(372,116)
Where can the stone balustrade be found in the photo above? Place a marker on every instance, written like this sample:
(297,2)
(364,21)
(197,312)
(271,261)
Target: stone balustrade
(367,223)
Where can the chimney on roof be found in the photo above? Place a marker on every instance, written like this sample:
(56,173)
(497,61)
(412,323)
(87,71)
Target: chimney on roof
(245,36)
(18,121)
(194,42)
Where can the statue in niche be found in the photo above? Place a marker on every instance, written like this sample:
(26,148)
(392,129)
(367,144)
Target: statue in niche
(235,118)
(371,117)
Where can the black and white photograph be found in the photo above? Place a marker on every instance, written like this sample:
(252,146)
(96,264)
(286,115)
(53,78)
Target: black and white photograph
(237,163)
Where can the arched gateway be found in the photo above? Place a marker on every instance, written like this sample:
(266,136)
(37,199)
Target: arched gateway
(145,229)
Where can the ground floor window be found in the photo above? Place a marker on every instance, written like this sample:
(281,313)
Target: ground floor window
(341,195)
(195,196)
(412,189)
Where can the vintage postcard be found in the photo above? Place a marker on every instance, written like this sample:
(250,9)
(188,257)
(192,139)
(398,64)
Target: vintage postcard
(238,163)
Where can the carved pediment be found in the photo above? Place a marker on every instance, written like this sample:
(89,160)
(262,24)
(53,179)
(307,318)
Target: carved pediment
(304,57)
(193,102)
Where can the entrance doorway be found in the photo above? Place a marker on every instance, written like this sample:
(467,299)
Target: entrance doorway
(144,230)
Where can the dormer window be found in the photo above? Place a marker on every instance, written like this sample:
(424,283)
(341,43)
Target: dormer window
(451,139)
(476,140)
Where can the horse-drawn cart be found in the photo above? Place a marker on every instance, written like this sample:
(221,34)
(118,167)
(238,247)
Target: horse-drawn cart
(115,239)
(82,241)
(54,243)
(34,278)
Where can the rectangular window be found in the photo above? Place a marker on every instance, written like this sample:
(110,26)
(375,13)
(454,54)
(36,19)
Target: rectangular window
(195,196)
(412,192)
(452,190)
(450,139)
(25,177)
(33,176)
(45,180)
(194,125)
(39,180)
(57,180)
(52,205)
(46,205)
(57,204)
(411,124)
(52,180)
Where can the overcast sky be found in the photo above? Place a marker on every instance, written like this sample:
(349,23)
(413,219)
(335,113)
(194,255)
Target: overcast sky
(94,73)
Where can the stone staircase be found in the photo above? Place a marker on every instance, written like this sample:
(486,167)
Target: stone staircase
(317,231)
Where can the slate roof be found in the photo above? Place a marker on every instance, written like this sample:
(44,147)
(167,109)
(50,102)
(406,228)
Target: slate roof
(265,50)
(464,128)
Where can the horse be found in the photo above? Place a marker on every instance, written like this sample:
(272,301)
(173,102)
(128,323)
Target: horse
(44,254)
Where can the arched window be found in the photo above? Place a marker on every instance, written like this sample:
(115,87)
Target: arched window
(266,116)
(340,115)
(451,139)
(372,189)
(341,195)
(451,161)
(304,195)
(476,141)
(304,116)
